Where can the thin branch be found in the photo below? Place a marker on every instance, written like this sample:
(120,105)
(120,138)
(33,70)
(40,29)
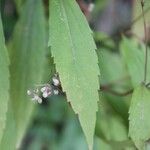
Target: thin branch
(108,87)
(146,46)
(139,17)
(109,90)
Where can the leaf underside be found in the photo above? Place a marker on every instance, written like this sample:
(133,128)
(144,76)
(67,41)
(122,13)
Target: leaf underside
(4,81)
(73,49)
(139,120)
(27,52)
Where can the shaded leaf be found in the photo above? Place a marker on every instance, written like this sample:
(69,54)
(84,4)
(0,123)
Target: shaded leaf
(101,144)
(73,48)
(114,75)
(110,126)
(134,57)
(4,80)
(28,50)
(139,124)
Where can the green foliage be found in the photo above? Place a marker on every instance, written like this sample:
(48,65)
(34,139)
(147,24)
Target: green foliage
(134,57)
(109,76)
(4,81)
(28,55)
(139,117)
(76,61)
(68,49)
(9,135)
(138,26)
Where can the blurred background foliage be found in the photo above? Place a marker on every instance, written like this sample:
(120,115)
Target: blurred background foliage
(54,125)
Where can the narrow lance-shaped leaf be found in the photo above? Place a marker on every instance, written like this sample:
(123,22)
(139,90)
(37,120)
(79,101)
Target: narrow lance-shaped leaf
(73,49)
(139,124)
(4,80)
(28,50)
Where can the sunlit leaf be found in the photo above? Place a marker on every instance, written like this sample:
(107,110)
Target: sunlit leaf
(74,54)
(4,80)
(27,51)
(139,124)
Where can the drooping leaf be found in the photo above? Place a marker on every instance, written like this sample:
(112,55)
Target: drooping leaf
(4,80)
(27,52)
(134,57)
(139,124)
(72,47)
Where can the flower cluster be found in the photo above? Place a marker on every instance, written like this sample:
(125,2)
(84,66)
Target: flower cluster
(45,90)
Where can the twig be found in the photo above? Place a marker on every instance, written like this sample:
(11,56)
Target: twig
(140,16)
(146,47)
(109,90)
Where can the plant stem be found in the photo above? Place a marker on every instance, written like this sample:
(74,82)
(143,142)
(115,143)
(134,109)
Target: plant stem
(146,47)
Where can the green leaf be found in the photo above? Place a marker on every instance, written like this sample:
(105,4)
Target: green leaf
(73,49)
(28,50)
(9,137)
(139,124)
(134,57)
(108,73)
(4,80)
(117,77)
(101,144)
(19,4)
(138,27)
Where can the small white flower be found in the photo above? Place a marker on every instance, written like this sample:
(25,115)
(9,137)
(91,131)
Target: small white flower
(45,94)
(56,92)
(46,90)
(55,81)
(29,92)
(43,89)
(36,90)
(35,97)
(39,100)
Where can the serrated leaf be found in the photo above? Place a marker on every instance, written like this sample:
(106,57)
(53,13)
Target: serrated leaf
(134,57)
(4,80)
(139,124)
(72,47)
(27,51)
